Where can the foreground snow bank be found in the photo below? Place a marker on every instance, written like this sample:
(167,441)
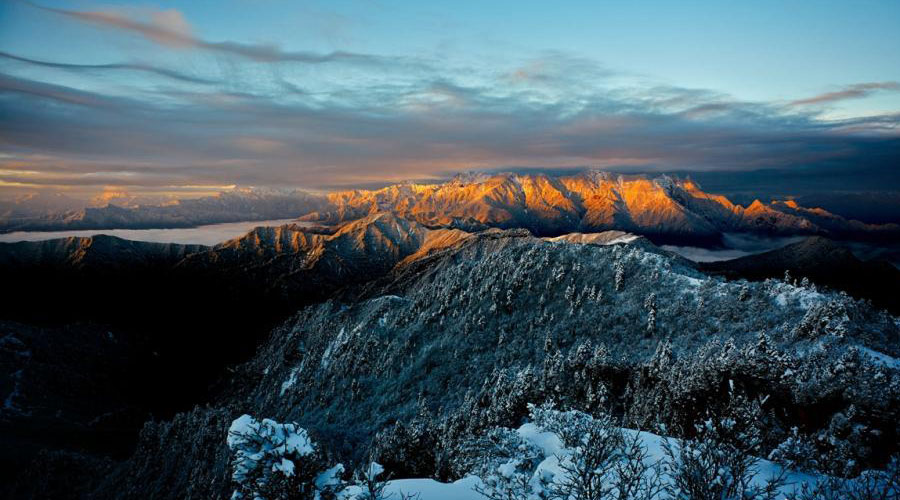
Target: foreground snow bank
(429,489)
(551,445)
(560,455)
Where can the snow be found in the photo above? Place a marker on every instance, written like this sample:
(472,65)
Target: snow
(694,282)
(331,477)
(766,468)
(508,469)
(880,357)
(263,448)
(429,489)
(804,296)
(623,239)
(553,450)
(375,469)
(296,440)
(285,466)
(388,297)
(241,426)
(340,339)
(781,299)
(548,442)
(287,384)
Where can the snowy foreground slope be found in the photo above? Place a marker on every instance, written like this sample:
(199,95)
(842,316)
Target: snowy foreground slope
(556,455)
(465,488)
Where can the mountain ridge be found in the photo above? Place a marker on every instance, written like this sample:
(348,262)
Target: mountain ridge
(823,262)
(663,208)
(96,251)
(236,205)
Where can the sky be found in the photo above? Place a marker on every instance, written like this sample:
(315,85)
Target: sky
(189,97)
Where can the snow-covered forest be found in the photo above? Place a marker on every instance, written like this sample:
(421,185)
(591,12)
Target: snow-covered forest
(508,366)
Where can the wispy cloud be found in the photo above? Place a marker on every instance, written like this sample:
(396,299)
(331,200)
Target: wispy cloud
(169,28)
(146,68)
(855,91)
(48,91)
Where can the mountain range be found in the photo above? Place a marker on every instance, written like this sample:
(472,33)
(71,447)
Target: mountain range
(45,213)
(664,209)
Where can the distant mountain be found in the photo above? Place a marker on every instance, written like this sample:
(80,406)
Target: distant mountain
(39,203)
(663,209)
(879,207)
(101,252)
(228,206)
(823,262)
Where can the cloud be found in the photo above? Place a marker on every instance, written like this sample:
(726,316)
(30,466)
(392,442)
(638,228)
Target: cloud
(166,27)
(851,92)
(169,28)
(48,91)
(146,68)
(348,125)
(377,135)
(555,67)
(736,246)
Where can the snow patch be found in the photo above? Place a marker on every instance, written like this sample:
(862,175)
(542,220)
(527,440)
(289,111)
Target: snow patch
(882,358)
(291,380)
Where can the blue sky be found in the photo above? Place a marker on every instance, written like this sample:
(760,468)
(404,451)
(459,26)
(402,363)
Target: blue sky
(162,95)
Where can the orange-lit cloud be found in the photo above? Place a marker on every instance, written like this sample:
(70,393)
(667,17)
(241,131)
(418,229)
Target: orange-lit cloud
(852,92)
(169,28)
(166,27)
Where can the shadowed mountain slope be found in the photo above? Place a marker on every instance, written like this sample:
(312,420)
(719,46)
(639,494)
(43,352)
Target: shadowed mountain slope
(177,315)
(101,253)
(822,261)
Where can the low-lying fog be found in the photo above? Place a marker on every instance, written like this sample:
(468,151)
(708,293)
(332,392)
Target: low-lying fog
(736,245)
(741,244)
